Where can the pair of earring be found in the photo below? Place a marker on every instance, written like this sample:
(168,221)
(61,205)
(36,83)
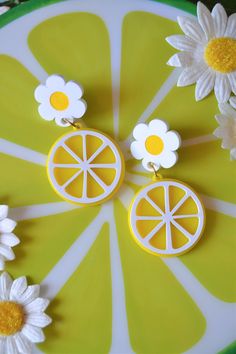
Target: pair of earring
(87,167)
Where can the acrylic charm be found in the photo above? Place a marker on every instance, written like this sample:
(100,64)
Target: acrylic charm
(22,315)
(85,166)
(166,217)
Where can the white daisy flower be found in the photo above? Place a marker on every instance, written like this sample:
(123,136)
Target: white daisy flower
(155,144)
(227,127)
(208,52)
(7,238)
(60,100)
(21,315)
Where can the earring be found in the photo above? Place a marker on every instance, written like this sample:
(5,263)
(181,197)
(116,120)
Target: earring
(84,166)
(166,217)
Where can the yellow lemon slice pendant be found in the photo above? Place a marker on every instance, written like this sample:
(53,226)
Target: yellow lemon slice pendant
(166,218)
(85,167)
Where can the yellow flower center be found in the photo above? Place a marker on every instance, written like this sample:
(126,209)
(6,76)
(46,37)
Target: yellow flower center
(220,54)
(59,101)
(154,145)
(11,318)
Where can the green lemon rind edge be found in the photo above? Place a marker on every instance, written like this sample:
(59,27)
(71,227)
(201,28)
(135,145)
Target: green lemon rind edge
(32,5)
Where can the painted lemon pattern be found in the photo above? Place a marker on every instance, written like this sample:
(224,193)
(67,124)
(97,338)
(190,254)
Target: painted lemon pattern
(108,295)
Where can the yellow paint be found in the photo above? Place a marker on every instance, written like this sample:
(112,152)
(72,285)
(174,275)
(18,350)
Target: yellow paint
(220,54)
(154,145)
(59,101)
(11,318)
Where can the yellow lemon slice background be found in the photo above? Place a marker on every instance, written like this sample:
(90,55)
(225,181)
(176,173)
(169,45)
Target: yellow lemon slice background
(108,295)
(85,167)
(166,218)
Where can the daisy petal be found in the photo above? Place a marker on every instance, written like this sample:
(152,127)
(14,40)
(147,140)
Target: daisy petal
(41,93)
(232,81)
(181,42)
(2,266)
(7,225)
(2,345)
(78,108)
(233,102)
(34,334)
(22,343)
(205,20)
(30,294)
(182,59)
(223,120)
(222,88)
(136,150)
(3,211)
(19,285)
(191,28)
(205,84)
(11,345)
(168,159)
(159,126)
(227,110)
(219,19)
(7,252)
(38,319)
(233,154)
(231,26)
(140,131)
(191,75)
(73,90)
(9,239)
(217,132)
(5,286)
(46,112)
(172,140)
(38,305)
(55,82)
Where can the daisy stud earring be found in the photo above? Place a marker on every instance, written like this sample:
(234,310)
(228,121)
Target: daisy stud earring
(84,166)
(166,217)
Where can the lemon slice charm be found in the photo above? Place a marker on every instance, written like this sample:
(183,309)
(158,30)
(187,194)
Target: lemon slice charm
(85,167)
(166,218)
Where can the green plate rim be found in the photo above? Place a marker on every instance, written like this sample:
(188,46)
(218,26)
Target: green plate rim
(32,5)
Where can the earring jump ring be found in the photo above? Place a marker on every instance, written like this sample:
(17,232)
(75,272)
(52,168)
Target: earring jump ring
(156,174)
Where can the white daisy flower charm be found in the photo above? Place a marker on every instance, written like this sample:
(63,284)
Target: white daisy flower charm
(22,315)
(60,100)
(7,238)
(227,127)
(155,145)
(208,52)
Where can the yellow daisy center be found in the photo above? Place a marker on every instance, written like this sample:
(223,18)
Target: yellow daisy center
(220,54)
(11,318)
(59,101)
(154,145)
